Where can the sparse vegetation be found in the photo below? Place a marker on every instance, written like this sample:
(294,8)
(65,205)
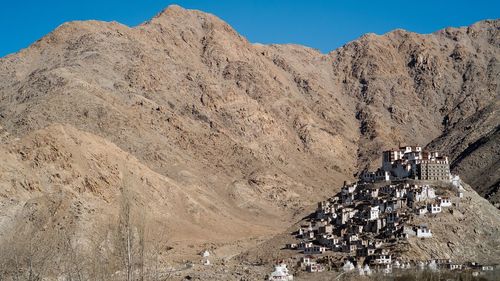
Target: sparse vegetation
(40,247)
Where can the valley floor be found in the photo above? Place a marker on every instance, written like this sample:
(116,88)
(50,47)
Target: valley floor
(254,273)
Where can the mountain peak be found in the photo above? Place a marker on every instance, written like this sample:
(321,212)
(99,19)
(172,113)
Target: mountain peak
(192,125)
(171,10)
(179,15)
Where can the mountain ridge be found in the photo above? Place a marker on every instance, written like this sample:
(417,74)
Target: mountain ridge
(258,132)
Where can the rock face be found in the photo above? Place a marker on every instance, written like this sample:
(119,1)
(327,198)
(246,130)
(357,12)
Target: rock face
(475,150)
(227,137)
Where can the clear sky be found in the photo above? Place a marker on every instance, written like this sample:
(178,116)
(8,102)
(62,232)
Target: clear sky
(324,25)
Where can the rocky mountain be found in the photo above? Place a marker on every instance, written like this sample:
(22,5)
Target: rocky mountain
(213,138)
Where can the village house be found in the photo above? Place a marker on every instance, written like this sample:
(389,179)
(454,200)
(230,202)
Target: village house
(487,267)
(482,267)
(329,240)
(381,259)
(304,245)
(419,194)
(315,268)
(379,175)
(434,208)
(306,260)
(454,266)
(305,234)
(320,223)
(372,213)
(351,237)
(375,226)
(423,232)
(314,250)
(345,215)
(442,263)
(399,192)
(444,201)
(280,273)
(350,247)
(409,231)
(387,189)
(422,211)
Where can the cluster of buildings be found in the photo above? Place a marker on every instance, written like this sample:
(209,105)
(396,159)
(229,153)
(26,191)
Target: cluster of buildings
(411,162)
(367,224)
(366,221)
(311,264)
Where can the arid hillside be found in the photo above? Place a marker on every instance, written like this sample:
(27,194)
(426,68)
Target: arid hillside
(217,139)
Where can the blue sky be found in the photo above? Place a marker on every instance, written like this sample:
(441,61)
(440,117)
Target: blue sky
(324,25)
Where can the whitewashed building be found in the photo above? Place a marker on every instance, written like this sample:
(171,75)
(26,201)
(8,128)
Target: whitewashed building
(445,201)
(373,213)
(410,162)
(434,208)
(382,259)
(422,211)
(423,232)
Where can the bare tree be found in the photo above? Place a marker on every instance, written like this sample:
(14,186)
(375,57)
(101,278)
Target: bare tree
(131,233)
(42,246)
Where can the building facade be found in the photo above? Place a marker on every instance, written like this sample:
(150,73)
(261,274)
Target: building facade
(410,162)
(438,170)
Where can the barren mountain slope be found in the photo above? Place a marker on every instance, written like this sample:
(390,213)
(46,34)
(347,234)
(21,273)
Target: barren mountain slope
(192,95)
(414,88)
(60,185)
(474,146)
(60,160)
(411,88)
(250,133)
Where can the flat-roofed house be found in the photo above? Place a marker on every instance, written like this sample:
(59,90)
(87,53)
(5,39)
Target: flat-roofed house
(423,232)
(315,250)
(445,201)
(434,208)
(372,213)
